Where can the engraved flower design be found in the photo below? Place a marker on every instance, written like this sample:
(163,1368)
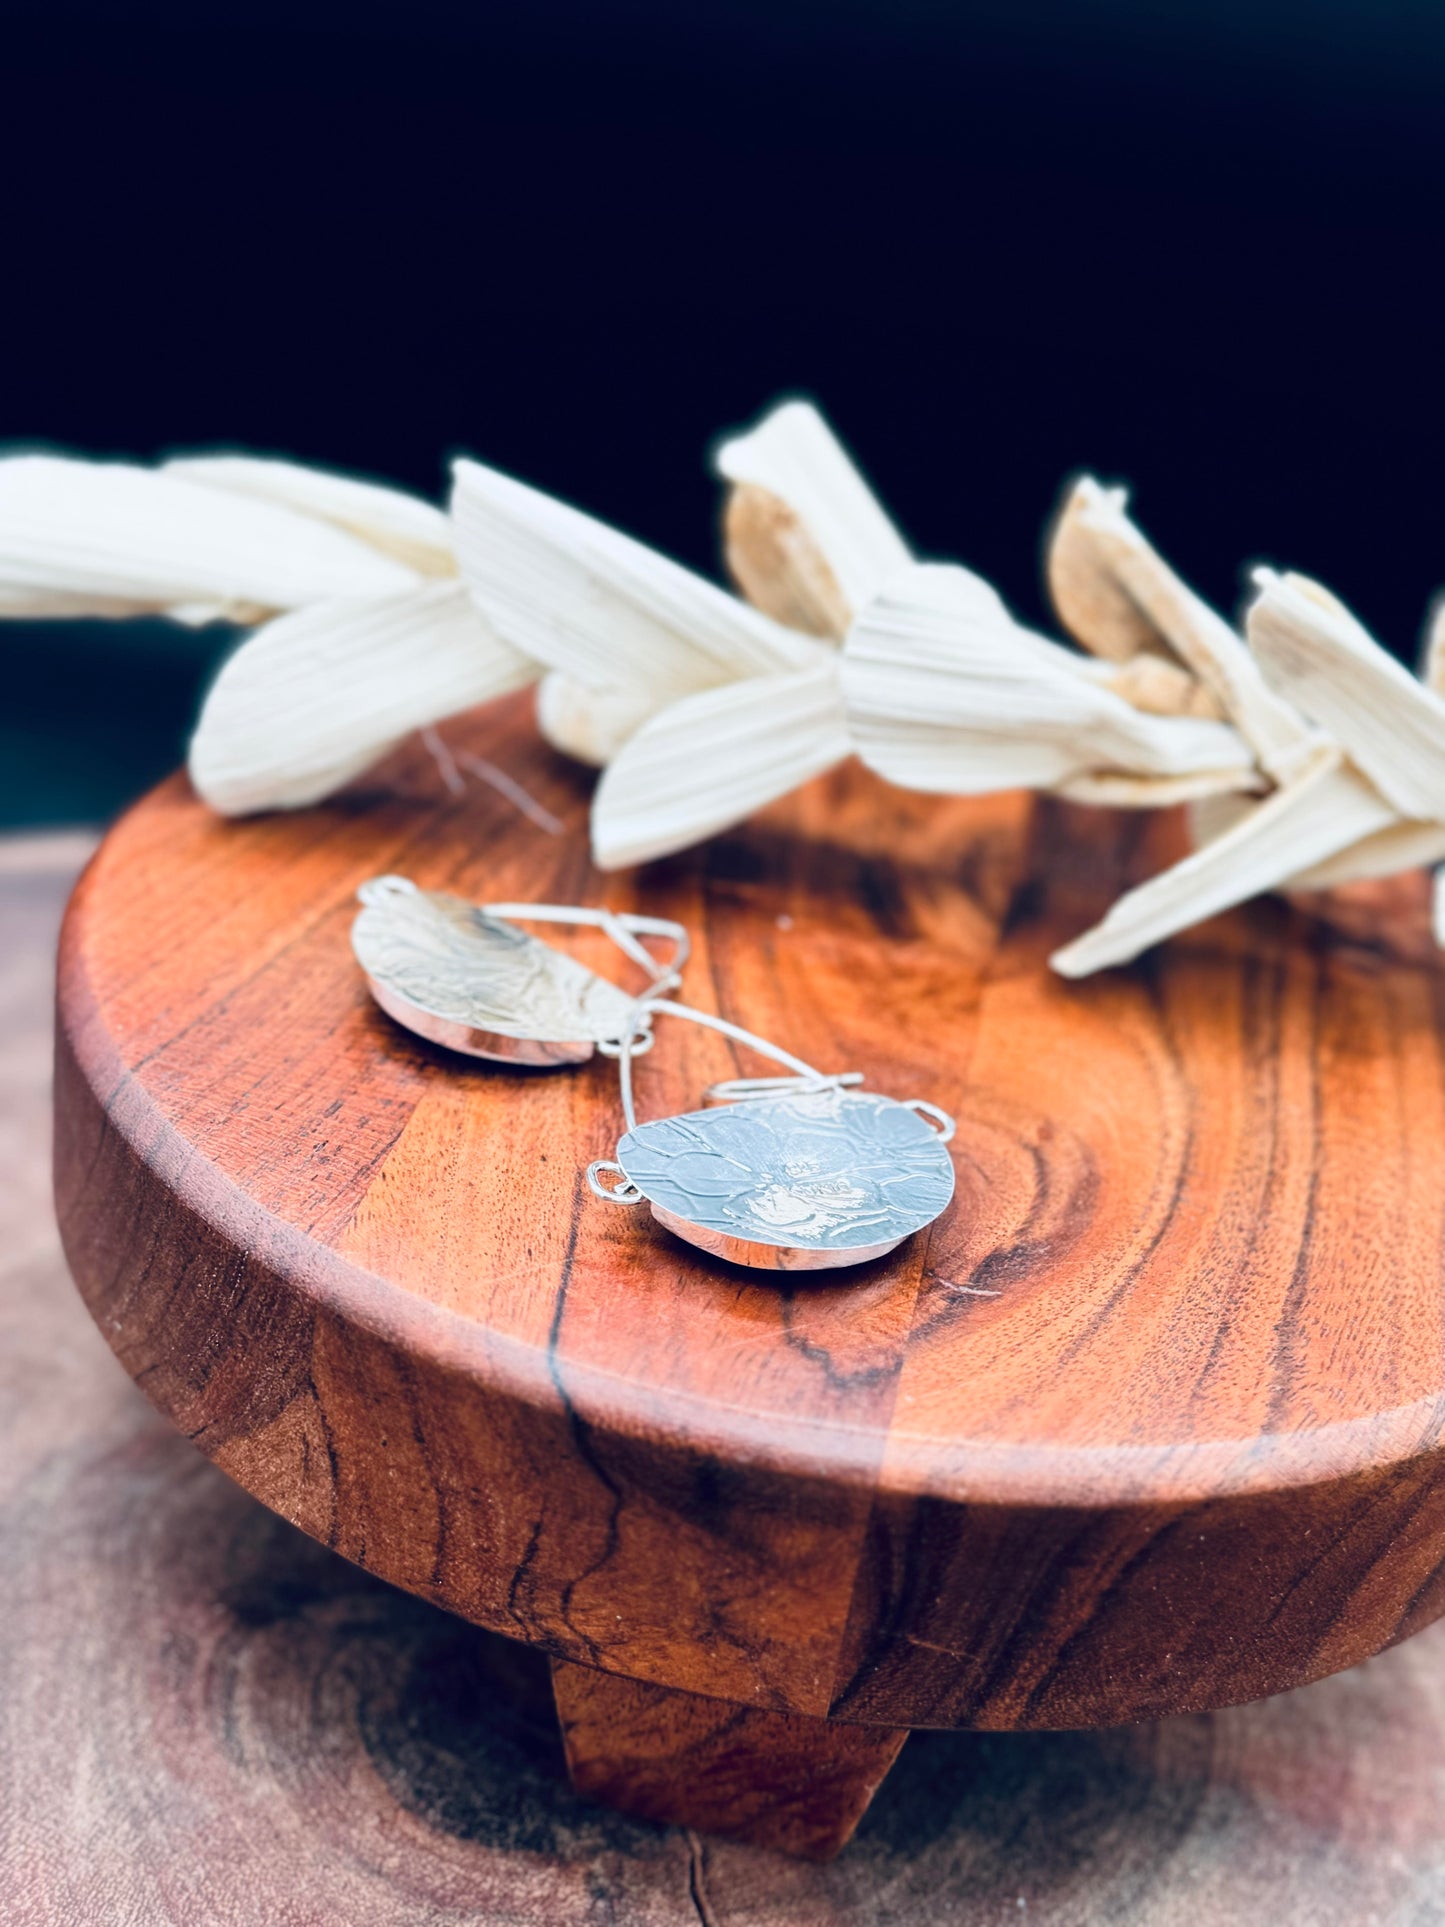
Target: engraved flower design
(832,1169)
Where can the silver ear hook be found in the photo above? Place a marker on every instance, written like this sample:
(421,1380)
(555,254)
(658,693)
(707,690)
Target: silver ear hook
(801,1172)
(734,1088)
(624,927)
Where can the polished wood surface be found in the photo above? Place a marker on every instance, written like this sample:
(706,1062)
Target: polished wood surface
(1149,1422)
(205,1717)
(779,1780)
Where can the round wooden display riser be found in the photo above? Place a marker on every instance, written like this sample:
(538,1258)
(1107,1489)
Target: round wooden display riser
(1146,1423)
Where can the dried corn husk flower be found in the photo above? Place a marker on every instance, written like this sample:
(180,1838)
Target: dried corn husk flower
(936,685)
(1308,756)
(711,759)
(365,633)
(402,526)
(808,536)
(623,630)
(1366,798)
(946,692)
(109,539)
(805,537)
(316,696)
(1118,597)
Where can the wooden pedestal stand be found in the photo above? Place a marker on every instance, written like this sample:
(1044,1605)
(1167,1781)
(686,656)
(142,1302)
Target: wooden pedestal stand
(1148,1422)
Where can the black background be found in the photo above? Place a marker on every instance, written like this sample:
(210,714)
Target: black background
(1195,247)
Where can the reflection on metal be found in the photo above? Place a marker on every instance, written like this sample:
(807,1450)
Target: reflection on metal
(459,976)
(800,1181)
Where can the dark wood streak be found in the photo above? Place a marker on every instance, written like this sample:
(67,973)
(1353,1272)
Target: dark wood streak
(1297,1286)
(582,1444)
(1188,1455)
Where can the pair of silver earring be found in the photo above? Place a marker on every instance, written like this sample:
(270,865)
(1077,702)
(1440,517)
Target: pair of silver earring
(799,1172)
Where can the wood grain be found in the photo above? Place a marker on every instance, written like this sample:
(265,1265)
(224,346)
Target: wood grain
(1148,1423)
(778,1780)
(205,1717)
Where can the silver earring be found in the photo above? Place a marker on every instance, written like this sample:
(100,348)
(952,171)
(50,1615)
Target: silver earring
(463,975)
(794,1173)
(800,1172)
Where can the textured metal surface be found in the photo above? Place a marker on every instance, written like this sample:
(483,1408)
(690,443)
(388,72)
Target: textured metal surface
(792,1182)
(477,983)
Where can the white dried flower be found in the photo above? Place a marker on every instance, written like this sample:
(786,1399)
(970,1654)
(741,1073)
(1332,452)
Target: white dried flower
(1309,756)
(109,539)
(316,696)
(1367,800)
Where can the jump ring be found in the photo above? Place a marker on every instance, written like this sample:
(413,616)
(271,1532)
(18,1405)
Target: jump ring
(386,889)
(625,1193)
(945,1123)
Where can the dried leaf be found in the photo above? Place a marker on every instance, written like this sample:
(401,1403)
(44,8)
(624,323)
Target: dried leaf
(712,759)
(83,538)
(316,696)
(576,595)
(946,692)
(1400,846)
(807,539)
(1083,585)
(400,525)
(1112,789)
(1326,809)
(1116,594)
(1328,664)
(589,724)
(1432,651)
(1162,687)
(779,567)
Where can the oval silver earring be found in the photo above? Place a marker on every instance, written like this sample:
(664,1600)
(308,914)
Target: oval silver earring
(796,1173)
(464,976)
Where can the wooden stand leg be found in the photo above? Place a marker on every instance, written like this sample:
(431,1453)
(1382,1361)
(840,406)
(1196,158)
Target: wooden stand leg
(779,1780)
